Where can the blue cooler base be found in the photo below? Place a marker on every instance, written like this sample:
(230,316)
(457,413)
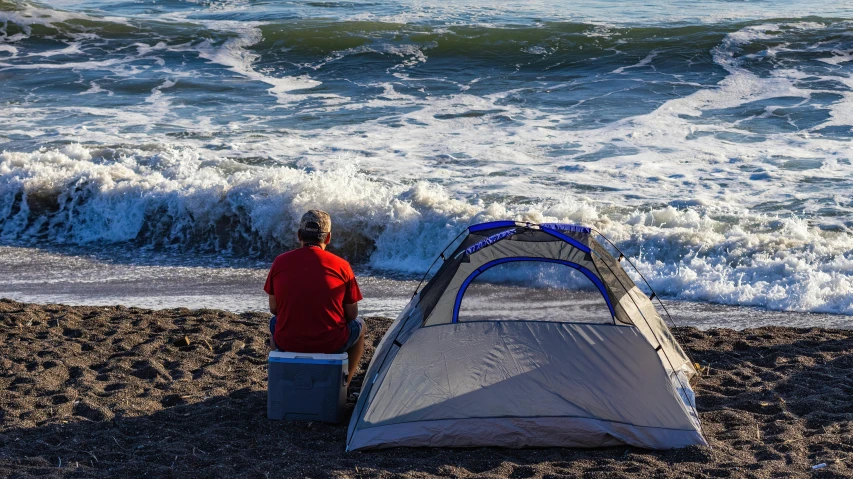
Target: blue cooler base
(307,386)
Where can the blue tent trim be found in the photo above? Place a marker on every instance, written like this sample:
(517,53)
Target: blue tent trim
(567,227)
(490,225)
(488,241)
(577,244)
(554,229)
(592,277)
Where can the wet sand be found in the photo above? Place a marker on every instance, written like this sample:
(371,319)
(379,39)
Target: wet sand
(105,392)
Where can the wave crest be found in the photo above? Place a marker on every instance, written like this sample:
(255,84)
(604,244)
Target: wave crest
(176,199)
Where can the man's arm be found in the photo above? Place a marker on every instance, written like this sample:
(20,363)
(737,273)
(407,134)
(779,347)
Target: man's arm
(350,311)
(274,307)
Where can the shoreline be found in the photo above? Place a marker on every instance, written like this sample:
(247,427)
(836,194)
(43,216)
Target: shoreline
(45,276)
(105,391)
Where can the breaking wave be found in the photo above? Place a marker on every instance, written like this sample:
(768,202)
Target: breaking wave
(175,199)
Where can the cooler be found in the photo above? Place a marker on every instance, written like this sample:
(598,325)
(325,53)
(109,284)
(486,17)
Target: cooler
(307,386)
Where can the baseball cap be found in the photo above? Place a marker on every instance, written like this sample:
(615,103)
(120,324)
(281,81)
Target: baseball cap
(315,224)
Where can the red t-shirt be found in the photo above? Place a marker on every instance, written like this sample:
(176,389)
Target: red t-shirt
(311,287)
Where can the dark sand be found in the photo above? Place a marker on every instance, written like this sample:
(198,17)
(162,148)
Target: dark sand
(104,391)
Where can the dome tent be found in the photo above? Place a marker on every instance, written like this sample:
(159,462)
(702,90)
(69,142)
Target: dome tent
(438,380)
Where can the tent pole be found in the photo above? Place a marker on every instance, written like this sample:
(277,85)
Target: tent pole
(654,293)
(647,321)
(440,255)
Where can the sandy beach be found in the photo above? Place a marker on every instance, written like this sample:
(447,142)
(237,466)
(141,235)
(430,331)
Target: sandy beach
(157,156)
(105,392)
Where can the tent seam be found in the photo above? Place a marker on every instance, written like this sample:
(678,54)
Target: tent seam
(532,417)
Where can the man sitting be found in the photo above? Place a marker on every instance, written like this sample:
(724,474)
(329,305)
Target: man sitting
(314,297)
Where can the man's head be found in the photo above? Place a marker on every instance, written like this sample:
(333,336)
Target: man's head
(315,227)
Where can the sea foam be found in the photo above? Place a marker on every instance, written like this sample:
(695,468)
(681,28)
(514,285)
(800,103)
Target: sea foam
(176,199)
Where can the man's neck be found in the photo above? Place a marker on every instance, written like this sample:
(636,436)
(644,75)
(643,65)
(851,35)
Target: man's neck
(315,245)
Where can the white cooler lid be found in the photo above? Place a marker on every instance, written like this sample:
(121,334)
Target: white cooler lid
(281,355)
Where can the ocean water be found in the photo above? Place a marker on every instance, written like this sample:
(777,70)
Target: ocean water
(148,144)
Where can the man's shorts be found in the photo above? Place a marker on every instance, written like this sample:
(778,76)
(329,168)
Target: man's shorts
(355,327)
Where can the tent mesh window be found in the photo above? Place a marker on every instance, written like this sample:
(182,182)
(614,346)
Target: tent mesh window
(533,291)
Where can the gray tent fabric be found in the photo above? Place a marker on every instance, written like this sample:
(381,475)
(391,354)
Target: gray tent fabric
(436,381)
